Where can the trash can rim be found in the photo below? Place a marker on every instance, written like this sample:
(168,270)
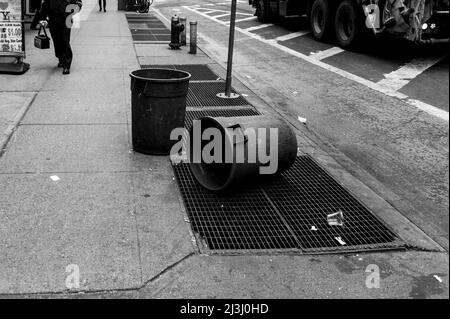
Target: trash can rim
(171,80)
(229,143)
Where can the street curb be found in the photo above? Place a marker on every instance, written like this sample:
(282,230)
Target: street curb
(6,136)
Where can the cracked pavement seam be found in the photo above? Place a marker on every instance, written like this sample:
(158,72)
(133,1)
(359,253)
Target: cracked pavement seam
(78,292)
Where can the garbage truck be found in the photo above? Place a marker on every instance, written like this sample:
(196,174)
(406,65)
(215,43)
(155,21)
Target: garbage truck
(351,21)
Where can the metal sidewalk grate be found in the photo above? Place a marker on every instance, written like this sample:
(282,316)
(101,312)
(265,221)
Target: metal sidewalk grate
(233,220)
(199,72)
(193,115)
(286,213)
(304,196)
(205,93)
(147,29)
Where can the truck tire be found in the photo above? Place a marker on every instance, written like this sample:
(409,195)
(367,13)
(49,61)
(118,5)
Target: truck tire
(348,25)
(262,11)
(320,19)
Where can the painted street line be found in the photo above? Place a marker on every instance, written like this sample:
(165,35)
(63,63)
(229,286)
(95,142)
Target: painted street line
(221,15)
(292,35)
(399,78)
(211,11)
(257,27)
(326,53)
(244,19)
(430,109)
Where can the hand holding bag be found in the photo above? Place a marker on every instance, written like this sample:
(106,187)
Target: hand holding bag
(42,41)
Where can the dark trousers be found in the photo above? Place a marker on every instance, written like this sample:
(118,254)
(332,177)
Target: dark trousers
(100,4)
(61,40)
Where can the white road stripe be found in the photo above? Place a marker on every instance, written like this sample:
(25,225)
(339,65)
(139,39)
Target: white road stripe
(221,15)
(430,109)
(211,11)
(402,76)
(245,19)
(326,53)
(257,27)
(292,35)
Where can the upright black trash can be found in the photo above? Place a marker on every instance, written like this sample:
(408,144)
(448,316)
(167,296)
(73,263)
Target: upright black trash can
(158,105)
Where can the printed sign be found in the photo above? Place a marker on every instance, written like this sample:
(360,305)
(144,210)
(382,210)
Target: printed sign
(11,35)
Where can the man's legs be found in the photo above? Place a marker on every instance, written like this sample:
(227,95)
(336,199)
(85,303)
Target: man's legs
(100,5)
(56,37)
(66,50)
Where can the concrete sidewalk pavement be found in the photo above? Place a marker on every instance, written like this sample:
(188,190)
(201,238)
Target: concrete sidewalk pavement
(112,213)
(74,196)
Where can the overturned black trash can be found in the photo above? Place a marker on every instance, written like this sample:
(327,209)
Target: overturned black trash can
(158,105)
(240,149)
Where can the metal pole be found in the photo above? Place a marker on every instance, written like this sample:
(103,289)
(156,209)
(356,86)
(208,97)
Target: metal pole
(230,48)
(193,37)
(183,33)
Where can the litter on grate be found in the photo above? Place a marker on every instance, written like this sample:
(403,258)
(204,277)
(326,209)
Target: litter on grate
(284,212)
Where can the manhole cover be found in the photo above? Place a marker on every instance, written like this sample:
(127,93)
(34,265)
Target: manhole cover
(287,212)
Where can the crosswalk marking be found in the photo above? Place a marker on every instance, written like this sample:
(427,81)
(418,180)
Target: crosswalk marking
(257,27)
(292,35)
(245,19)
(326,53)
(402,76)
(221,15)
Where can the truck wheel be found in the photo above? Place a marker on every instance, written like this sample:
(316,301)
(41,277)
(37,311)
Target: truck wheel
(262,11)
(320,19)
(348,25)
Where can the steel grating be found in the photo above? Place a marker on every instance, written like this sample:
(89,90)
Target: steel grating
(199,72)
(304,196)
(288,212)
(233,220)
(147,29)
(193,115)
(206,94)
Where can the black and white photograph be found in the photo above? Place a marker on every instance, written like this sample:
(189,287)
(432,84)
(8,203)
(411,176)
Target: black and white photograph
(231,158)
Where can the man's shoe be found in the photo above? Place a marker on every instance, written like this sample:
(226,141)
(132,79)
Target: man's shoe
(60,65)
(66,71)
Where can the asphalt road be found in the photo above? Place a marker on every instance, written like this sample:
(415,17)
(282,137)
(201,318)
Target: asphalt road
(419,73)
(384,108)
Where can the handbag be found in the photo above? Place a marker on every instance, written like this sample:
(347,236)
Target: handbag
(42,41)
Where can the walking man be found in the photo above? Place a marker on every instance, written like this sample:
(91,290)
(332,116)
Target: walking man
(53,13)
(100,5)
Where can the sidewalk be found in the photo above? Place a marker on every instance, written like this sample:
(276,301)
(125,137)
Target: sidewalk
(117,214)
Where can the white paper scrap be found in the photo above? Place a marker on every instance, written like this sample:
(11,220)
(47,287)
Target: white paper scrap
(340,240)
(301,119)
(54,178)
(438,278)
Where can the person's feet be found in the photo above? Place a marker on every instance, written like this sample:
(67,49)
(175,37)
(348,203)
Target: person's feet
(60,65)
(66,71)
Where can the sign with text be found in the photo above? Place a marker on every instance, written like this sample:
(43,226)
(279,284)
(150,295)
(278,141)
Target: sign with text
(11,27)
